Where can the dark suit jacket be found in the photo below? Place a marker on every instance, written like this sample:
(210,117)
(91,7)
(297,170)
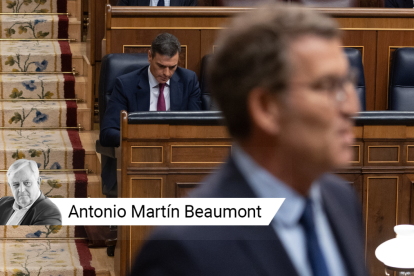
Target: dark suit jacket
(399,3)
(147,3)
(42,212)
(247,250)
(132,93)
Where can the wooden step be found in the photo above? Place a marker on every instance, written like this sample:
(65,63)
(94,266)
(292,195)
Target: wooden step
(78,50)
(75,27)
(104,265)
(92,162)
(95,186)
(88,139)
(80,89)
(74,9)
(84,116)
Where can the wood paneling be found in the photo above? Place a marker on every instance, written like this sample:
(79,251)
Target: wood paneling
(199,153)
(357,150)
(385,132)
(410,153)
(142,187)
(146,187)
(383,154)
(379,216)
(183,189)
(132,49)
(387,202)
(146,154)
(208,37)
(130,38)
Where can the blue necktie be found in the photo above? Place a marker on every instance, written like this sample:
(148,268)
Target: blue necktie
(160,3)
(315,255)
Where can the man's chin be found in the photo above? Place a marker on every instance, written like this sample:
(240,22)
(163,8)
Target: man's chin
(24,202)
(343,159)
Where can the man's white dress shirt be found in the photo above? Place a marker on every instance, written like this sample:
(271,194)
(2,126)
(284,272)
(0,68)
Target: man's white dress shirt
(18,214)
(155,91)
(155,2)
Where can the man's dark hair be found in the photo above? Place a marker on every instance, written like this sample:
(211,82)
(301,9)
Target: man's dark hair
(254,52)
(165,44)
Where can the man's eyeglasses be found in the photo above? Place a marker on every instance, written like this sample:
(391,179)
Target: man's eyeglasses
(335,87)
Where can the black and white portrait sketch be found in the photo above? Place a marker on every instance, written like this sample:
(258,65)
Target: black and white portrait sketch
(28,205)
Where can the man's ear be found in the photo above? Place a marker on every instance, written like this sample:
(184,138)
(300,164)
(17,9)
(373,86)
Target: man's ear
(39,181)
(149,56)
(264,110)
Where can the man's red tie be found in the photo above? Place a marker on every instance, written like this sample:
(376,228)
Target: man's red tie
(161,99)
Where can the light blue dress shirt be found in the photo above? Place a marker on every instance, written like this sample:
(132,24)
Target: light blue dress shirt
(286,221)
(155,2)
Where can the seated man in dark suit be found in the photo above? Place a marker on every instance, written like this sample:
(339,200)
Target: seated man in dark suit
(28,206)
(284,85)
(399,3)
(161,86)
(159,3)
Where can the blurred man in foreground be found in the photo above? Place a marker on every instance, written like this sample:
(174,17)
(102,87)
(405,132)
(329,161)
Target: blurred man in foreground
(286,91)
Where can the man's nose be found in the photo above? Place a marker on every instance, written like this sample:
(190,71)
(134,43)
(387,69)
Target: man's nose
(351,105)
(22,188)
(167,71)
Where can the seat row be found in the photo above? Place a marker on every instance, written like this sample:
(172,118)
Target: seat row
(401,89)
(401,79)
(115,65)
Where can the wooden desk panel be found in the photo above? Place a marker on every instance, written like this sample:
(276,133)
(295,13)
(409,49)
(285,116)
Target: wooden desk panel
(382,175)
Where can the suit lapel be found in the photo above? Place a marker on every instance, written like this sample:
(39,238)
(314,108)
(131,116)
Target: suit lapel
(176,93)
(266,251)
(7,211)
(28,217)
(343,229)
(261,243)
(143,92)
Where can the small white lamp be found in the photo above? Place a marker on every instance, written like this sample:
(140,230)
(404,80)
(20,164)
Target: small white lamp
(398,254)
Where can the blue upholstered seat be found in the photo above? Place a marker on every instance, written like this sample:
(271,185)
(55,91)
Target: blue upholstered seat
(401,82)
(355,60)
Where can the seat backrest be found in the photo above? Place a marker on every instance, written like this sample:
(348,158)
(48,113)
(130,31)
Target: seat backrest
(401,88)
(205,92)
(355,60)
(329,3)
(353,55)
(113,66)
